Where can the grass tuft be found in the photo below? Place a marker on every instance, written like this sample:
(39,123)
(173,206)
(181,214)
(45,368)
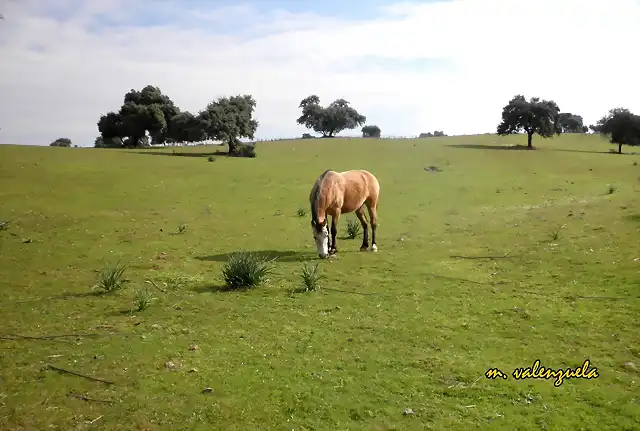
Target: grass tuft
(143,299)
(353,228)
(611,189)
(301,212)
(311,277)
(246,270)
(554,234)
(111,278)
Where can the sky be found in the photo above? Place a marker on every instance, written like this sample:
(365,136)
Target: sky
(409,67)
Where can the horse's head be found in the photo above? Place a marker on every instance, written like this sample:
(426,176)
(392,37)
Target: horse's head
(321,237)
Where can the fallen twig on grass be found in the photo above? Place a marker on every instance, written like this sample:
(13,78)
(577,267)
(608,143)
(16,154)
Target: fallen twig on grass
(613,298)
(459,279)
(156,286)
(26,337)
(357,293)
(62,370)
(574,297)
(85,398)
(46,337)
(93,421)
(455,256)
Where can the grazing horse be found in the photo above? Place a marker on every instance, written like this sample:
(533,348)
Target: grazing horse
(335,193)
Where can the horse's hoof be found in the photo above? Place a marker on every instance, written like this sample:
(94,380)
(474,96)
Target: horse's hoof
(364,248)
(374,248)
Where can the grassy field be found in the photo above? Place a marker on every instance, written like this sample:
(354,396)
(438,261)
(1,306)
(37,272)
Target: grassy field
(414,326)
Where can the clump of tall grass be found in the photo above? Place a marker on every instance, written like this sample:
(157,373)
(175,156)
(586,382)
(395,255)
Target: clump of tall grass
(143,299)
(353,228)
(246,270)
(111,278)
(311,277)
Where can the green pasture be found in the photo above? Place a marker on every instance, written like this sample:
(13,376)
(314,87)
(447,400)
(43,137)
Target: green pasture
(497,258)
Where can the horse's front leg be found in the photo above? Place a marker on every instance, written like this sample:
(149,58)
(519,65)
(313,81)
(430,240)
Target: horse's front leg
(334,230)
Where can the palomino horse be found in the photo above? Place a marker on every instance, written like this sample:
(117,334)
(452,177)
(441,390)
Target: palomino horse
(335,193)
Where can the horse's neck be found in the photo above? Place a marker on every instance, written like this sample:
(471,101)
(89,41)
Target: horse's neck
(321,214)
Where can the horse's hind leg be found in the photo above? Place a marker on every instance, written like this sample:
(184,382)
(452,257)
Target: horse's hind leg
(373,219)
(365,228)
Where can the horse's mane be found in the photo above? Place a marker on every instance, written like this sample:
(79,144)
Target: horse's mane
(317,194)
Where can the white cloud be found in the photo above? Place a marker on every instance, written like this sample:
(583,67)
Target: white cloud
(58,77)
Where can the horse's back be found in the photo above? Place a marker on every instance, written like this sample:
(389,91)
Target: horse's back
(358,186)
(361,178)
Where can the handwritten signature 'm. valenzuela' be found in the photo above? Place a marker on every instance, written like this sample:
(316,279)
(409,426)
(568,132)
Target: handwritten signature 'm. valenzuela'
(539,372)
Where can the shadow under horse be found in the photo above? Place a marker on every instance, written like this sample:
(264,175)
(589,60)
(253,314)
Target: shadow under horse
(278,255)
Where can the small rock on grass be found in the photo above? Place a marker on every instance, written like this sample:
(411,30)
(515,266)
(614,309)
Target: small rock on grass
(408,412)
(207,390)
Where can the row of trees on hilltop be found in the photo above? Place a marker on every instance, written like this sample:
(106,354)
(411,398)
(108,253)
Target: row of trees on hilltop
(226,119)
(543,117)
(339,115)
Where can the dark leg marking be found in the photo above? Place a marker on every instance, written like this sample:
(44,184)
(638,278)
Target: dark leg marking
(334,231)
(373,217)
(365,229)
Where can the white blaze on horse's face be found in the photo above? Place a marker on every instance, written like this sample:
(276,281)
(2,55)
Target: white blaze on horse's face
(322,241)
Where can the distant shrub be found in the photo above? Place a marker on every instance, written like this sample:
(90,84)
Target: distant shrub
(211,159)
(371,131)
(245,270)
(100,142)
(306,136)
(431,135)
(245,150)
(61,142)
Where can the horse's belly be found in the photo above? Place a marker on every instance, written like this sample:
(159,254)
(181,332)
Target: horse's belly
(350,205)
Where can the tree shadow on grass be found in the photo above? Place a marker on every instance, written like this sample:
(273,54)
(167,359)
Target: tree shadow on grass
(633,217)
(122,312)
(279,256)
(182,153)
(491,147)
(214,288)
(348,238)
(524,147)
(64,296)
(568,150)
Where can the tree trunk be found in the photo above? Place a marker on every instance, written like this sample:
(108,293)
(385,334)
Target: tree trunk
(619,148)
(529,139)
(233,145)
